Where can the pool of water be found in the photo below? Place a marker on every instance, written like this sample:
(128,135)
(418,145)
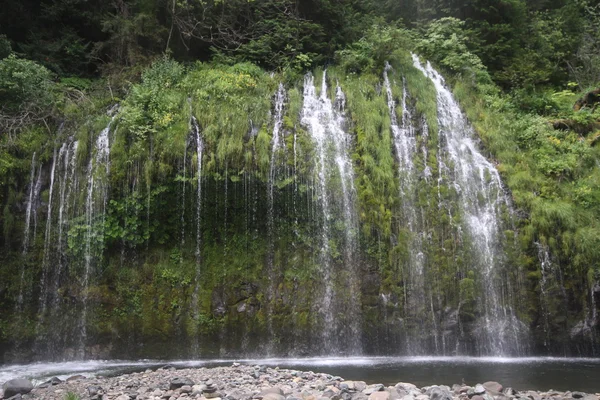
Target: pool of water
(562,374)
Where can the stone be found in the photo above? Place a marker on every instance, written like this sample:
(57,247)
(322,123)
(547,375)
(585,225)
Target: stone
(122,397)
(379,396)
(359,386)
(509,391)
(264,392)
(212,395)
(273,396)
(408,397)
(186,389)
(477,397)
(16,386)
(180,381)
(372,389)
(94,390)
(15,397)
(493,386)
(407,387)
(479,389)
(578,395)
(439,393)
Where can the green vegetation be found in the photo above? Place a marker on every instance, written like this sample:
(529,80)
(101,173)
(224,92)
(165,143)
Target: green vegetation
(517,68)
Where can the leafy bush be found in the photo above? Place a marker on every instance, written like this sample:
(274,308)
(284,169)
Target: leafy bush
(23,83)
(444,42)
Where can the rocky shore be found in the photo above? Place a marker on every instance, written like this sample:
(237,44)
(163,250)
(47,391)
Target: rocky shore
(253,382)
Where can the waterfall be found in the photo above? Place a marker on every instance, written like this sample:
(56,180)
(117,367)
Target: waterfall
(26,233)
(325,122)
(43,299)
(97,174)
(405,146)
(195,307)
(481,198)
(276,145)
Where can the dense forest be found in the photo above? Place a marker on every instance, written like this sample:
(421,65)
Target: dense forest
(160,177)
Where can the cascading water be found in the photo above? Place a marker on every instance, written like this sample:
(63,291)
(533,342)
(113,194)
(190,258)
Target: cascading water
(43,300)
(26,233)
(481,198)
(325,123)
(276,145)
(199,151)
(405,145)
(95,211)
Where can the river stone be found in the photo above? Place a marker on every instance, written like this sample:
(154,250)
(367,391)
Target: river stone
(379,396)
(477,397)
(373,388)
(407,387)
(180,381)
(439,393)
(359,386)
(15,397)
(94,390)
(16,386)
(273,396)
(578,395)
(186,389)
(264,392)
(493,386)
(479,389)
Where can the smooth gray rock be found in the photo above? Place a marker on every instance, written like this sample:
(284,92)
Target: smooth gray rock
(16,386)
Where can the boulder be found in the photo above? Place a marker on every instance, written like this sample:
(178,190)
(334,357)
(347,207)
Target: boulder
(16,386)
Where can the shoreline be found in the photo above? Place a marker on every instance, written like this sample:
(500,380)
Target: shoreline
(259,382)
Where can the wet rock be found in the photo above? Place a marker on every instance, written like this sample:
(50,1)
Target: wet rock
(16,386)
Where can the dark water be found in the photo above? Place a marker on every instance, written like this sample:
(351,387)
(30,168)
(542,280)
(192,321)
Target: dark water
(562,374)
